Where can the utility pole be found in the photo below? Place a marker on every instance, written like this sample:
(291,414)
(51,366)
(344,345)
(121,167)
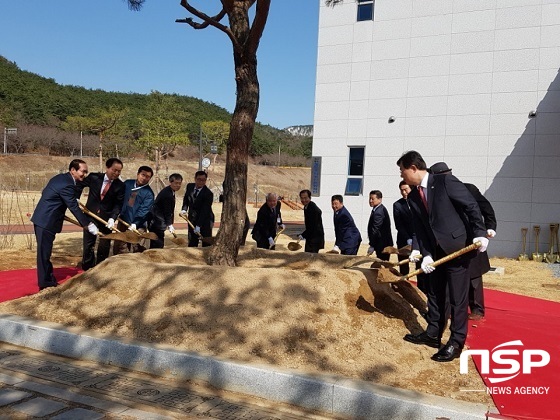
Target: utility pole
(81,145)
(200,150)
(7,132)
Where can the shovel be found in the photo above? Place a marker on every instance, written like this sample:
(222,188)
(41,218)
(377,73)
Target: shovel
(208,241)
(276,237)
(127,236)
(537,256)
(404,251)
(147,235)
(178,241)
(523,256)
(75,222)
(550,256)
(390,275)
(294,246)
(389,264)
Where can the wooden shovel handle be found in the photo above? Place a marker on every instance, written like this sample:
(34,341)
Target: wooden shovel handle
(190,224)
(94,216)
(278,234)
(443,260)
(128,225)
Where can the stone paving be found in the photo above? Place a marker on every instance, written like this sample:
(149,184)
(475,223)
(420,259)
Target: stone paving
(37,385)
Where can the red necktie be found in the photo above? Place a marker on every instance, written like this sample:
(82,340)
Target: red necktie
(105,189)
(423,197)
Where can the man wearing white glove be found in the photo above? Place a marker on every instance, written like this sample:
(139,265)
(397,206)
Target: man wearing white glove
(370,250)
(197,230)
(92,229)
(132,227)
(314,234)
(198,205)
(480,264)
(162,213)
(264,229)
(336,250)
(439,204)
(110,223)
(300,238)
(183,213)
(271,243)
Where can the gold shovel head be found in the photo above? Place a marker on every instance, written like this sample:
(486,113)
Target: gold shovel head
(149,235)
(404,251)
(294,246)
(179,241)
(387,275)
(208,240)
(122,236)
(382,264)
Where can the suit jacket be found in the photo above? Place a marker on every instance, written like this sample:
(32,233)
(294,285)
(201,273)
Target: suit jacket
(379,229)
(60,194)
(481,264)
(453,220)
(265,225)
(345,230)
(110,206)
(403,222)
(163,209)
(314,232)
(138,201)
(199,209)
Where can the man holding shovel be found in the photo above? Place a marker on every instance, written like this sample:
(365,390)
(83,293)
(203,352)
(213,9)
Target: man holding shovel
(163,210)
(264,230)
(314,234)
(197,206)
(439,204)
(59,194)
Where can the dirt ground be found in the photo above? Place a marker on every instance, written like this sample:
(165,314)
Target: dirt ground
(313,313)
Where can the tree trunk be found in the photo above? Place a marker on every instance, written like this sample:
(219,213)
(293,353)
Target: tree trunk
(226,247)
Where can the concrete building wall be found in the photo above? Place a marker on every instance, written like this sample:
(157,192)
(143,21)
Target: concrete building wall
(460,78)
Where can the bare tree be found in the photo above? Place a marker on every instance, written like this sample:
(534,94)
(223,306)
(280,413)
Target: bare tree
(245,35)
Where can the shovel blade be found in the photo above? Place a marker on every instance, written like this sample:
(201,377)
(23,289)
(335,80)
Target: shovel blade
(404,251)
(179,241)
(121,236)
(294,246)
(150,235)
(387,275)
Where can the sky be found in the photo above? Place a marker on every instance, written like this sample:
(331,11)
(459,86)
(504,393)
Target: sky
(101,44)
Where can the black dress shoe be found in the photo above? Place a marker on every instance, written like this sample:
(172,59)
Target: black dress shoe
(423,338)
(447,353)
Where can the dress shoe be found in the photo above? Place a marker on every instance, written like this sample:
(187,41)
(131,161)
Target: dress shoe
(447,353)
(423,338)
(475,316)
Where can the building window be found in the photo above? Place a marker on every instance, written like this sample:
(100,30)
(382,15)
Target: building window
(355,181)
(365,10)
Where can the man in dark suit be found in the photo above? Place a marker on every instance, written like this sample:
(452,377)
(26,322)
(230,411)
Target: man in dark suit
(379,227)
(268,220)
(197,205)
(403,223)
(105,199)
(314,234)
(445,217)
(59,194)
(480,265)
(347,235)
(163,210)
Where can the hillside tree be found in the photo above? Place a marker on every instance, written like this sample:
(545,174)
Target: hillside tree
(245,30)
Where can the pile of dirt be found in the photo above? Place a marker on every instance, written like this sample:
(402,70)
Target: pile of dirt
(314,313)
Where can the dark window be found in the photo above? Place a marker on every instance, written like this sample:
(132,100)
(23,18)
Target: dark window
(355,179)
(365,10)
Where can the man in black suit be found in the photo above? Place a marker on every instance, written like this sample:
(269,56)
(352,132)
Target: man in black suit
(105,199)
(314,234)
(379,227)
(163,210)
(268,220)
(445,217)
(197,205)
(59,194)
(403,223)
(347,235)
(480,265)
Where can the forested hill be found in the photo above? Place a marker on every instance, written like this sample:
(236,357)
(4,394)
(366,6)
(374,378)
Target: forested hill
(30,99)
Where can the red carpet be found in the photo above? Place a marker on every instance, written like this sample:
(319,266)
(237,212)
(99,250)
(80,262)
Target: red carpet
(18,283)
(530,326)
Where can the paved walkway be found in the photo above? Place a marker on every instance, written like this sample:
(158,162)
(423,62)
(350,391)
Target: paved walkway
(38,385)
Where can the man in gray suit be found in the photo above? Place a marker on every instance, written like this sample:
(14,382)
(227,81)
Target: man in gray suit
(59,194)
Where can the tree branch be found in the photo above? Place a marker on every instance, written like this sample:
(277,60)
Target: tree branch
(261,16)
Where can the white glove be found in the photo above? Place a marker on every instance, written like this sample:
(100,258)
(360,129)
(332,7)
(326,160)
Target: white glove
(370,250)
(301,238)
(92,229)
(171,228)
(183,213)
(279,220)
(270,242)
(490,233)
(110,223)
(336,249)
(132,227)
(409,241)
(483,241)
(282,226)
(426,268)
(414,256)
(197,230)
